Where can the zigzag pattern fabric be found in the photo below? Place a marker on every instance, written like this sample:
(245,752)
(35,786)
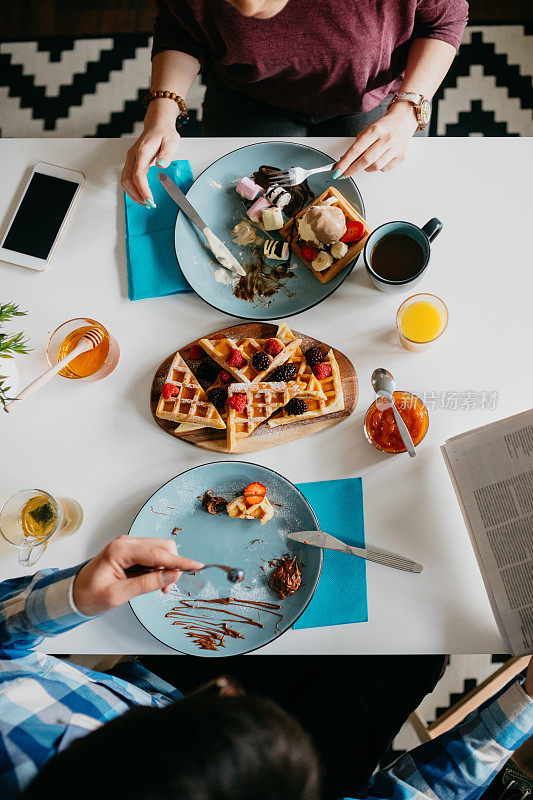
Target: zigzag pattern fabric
(64,86)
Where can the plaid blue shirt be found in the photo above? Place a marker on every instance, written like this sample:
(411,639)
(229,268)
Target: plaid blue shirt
(46,703)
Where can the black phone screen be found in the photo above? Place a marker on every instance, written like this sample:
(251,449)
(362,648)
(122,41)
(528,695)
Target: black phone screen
(40,215)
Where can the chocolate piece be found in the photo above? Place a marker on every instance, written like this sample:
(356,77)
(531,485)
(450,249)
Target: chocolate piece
(277,195)
(286,578)
(212,504)
(301,195)
(275,250)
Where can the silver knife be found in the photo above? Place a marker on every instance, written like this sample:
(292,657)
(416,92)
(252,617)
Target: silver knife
(222,254)
(319,539)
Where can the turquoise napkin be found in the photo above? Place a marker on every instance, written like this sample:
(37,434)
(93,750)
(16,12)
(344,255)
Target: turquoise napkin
(340,596)
(153,269)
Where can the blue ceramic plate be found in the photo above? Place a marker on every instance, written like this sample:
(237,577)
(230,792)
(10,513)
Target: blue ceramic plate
(222,208)
(222,539)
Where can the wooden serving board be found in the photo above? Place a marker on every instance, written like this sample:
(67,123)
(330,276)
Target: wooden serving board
(263,437)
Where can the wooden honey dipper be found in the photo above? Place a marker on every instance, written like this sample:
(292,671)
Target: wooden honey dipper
(91,339)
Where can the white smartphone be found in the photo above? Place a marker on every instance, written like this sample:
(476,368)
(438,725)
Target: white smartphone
(40,216)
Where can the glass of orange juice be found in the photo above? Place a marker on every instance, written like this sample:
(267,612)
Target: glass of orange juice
(421,320)
(92,365)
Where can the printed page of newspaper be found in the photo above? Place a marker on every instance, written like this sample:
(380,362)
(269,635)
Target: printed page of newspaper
(492,473)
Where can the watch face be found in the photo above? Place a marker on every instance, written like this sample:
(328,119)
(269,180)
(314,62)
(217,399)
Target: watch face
(425,112)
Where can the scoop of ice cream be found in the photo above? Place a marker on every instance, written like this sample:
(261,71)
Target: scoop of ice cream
(244,233)
(327,224)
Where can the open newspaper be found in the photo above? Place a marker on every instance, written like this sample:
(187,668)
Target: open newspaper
(492,473)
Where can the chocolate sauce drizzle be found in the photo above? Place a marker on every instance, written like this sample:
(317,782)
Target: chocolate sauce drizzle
(210,635)
(263,280)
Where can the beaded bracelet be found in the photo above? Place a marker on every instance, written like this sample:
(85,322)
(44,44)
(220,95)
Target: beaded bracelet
(183,116)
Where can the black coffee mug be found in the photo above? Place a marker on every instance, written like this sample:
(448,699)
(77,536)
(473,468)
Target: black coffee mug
(422,237)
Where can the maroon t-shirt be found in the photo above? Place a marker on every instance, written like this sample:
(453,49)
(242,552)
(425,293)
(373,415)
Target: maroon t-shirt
(322,57)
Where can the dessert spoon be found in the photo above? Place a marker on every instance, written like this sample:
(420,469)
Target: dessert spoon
(384,385)
(91,339)
(233,574)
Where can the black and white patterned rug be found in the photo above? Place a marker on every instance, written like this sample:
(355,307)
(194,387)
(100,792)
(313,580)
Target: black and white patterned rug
(64,86)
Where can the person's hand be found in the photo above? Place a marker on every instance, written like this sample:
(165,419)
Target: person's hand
(383,145)
(157,144)
(528,684)
(102,584)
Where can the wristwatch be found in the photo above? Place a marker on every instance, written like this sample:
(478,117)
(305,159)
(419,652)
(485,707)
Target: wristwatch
(421,105)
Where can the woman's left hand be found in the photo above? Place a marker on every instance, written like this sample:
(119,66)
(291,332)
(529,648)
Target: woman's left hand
(383,145)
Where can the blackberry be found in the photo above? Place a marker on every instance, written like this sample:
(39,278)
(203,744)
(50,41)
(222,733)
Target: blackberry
(314,356)
(261,361)
(296,406)
(218,397)
(207,372)
(284,373)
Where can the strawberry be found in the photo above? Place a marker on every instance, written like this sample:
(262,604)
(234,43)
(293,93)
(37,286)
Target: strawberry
(225,377)
(254,494)
(355,231)
(196,352)
(273,347)
(169,390)
(255,489)
(238,401)
(236,359)
(308,252)
(322,370)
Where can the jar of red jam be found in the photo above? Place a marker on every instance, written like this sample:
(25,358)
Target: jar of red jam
(380,426)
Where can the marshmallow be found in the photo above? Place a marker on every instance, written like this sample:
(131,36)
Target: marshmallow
(254,212)
(323,261)
(248,189)
(272,218)
(277,251)
(277,195)
(339,249)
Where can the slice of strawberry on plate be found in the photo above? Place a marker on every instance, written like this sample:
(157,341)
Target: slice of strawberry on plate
(355,231)
(254,494)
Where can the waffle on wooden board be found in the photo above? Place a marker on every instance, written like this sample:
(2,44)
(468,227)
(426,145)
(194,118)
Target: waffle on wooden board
(323,397)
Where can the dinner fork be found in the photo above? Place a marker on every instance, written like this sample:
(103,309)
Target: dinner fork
(294,175)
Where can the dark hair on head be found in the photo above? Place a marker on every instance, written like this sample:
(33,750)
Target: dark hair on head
(203,747)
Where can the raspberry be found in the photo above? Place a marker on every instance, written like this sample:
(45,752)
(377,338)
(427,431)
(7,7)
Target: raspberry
(169,390)
(322,370)
(238,401)
(296,406)
(207,372)
(218,397)
(261,361)
(284,373)
(273,347)
(236,359)
(225,377)
(314,356)
(308,252)
(196,352)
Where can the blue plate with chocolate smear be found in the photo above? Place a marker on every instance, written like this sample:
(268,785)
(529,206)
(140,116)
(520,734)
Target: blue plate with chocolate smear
(204,614)
(214,196)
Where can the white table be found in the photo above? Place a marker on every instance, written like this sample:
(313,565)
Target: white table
(99,444)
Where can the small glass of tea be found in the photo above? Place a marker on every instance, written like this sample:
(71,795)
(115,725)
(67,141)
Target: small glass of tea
(421,320)
(29,519)
(92,365)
